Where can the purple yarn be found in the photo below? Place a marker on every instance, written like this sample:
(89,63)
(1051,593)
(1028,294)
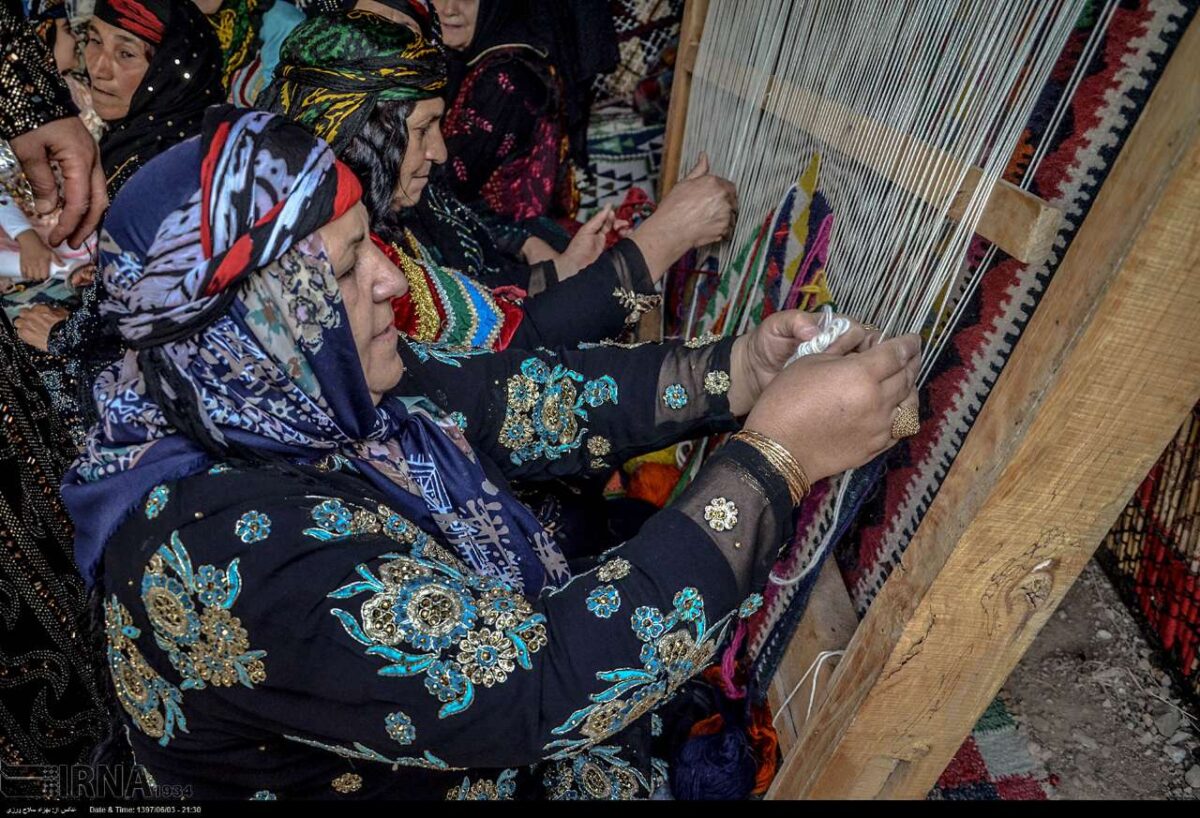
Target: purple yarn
(717,767)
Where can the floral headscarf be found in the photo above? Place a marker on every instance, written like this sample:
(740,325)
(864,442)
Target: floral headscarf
(232,308)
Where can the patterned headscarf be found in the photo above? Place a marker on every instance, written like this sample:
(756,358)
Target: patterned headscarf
(271,363)
(238,24)
(334,68)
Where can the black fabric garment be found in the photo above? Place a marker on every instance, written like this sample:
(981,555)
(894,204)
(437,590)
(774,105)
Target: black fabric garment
(25,64)
(460,239)
(287,636)
(51,710)
(183,78)
(595,304)
(578,36)
(584,45)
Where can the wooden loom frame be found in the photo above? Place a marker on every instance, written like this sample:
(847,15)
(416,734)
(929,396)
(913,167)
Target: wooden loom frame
(1101,379)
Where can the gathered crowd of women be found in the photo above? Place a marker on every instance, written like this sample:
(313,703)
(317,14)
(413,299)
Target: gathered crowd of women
(305,431)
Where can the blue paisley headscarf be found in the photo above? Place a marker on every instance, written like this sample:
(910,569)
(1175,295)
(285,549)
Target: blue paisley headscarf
(265,352)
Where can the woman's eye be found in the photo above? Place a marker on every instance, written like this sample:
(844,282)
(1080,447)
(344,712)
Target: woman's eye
(127,55)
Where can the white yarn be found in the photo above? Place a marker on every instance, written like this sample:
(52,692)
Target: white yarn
(832,328)
(815,670)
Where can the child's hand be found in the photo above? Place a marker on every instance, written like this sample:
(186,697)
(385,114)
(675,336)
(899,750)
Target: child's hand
(36,257)
(34,324)
(82,277)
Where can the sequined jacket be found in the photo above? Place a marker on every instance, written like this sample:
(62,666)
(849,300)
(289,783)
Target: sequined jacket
(31,93)
(290,636)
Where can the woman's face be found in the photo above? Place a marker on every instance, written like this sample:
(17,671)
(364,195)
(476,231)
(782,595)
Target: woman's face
(458,21)
(426,148)
(64,47)
(116,63)
(368,283)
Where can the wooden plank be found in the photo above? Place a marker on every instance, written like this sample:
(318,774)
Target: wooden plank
(828,624)
(1018,222)
(691,27)
(1100,381)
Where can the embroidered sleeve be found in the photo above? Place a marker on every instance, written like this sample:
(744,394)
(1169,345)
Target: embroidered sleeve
(548,414)
(597,303)
(402,656)
(31,91)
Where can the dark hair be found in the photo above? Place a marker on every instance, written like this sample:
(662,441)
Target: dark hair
(375,154)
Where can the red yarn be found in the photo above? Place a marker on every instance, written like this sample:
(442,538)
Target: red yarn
(764,741)
(654,482)
(729,663)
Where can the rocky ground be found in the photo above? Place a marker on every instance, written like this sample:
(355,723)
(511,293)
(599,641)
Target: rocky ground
(1097,707)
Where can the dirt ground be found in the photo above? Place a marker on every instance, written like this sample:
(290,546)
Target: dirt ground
(1096,707)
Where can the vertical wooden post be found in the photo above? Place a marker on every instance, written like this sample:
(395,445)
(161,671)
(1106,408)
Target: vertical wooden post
(691,28)
(1099,382)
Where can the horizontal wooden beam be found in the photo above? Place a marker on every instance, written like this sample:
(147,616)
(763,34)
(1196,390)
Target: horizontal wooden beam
(1098,384)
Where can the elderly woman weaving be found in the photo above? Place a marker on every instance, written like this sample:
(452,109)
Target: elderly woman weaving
(370,87)
(314,588)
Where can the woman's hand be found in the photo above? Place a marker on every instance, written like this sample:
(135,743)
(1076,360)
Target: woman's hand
(35,323)
(36,257)
(759,355)
(536,250)
(834,412)
(588,243)
(67,142)
(699,210)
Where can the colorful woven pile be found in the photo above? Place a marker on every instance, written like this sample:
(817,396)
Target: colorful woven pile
(1153,554)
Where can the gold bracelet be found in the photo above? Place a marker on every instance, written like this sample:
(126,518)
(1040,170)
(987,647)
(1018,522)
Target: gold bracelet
(781,460)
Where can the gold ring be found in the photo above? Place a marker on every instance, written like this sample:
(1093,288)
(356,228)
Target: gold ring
(906,423)
(871,327)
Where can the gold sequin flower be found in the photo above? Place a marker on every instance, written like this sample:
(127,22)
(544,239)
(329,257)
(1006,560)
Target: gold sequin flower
(613,570)
(347,783)
(486,657)
(716,383)
(598,446)
(721,514)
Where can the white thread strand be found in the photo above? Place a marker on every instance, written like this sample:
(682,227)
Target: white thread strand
(815,670)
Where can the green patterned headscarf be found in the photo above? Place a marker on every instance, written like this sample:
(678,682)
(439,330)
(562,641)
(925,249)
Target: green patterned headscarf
(334,68)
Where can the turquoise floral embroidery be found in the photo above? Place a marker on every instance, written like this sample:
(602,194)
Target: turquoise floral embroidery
(460,420)
(221,468)
(254,526)
(400,728)
(335,520)
(545,407)
(502,789)
(656,724)
(750,606)
(428,615)
(449,355)
(361,752)
(675,396)
(152,703)
(604,601)
(157,501)
(264,795)
(598,774)
(676,646)
(648,623)
(207,645)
